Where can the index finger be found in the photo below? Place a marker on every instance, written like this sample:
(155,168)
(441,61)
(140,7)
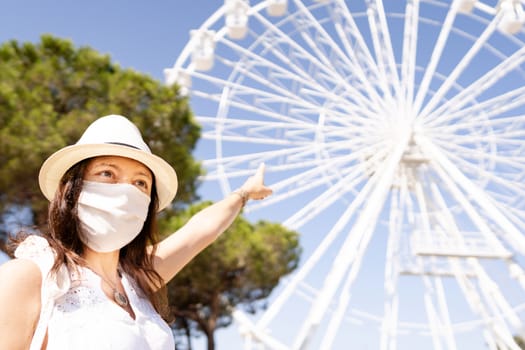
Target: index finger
(259,174)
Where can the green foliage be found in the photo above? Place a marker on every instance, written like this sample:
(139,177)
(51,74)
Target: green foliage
(51,91)
(239,270)
(520,341)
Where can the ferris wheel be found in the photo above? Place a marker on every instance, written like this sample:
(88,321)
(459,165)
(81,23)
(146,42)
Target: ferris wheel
(393,134)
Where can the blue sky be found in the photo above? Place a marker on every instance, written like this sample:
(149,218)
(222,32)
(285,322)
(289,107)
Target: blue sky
(143,35)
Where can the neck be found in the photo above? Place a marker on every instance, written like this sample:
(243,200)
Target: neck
(105,264)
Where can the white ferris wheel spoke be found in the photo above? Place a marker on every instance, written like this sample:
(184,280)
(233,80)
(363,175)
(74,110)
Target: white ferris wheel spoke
(408,64)
(435,57)
(348,31)
(325,66)
(484,111)
(346,66)
(314,258)
(383,46)
(460,67)
(484,82)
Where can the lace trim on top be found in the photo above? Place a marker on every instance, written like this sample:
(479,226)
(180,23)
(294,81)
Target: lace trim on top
(75,307)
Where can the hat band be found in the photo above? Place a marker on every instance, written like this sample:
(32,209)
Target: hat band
(123,144)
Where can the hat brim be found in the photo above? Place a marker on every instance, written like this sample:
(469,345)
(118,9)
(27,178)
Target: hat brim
(59,162)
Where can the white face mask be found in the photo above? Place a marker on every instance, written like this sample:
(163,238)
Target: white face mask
(111,215)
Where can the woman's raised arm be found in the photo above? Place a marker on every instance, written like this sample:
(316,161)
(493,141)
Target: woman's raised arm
(203,228)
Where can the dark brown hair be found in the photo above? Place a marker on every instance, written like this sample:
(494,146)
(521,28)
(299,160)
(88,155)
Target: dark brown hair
(136,258)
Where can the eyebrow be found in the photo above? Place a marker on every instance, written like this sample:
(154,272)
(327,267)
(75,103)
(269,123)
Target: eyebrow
(144,172)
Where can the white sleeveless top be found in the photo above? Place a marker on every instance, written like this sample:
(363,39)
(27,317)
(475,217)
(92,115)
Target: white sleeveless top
(78,315)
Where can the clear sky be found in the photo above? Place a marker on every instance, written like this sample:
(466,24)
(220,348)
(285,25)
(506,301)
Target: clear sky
(143,35)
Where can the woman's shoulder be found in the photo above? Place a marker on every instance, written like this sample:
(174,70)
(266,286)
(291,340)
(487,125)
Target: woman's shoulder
(20,285)
(21,280)
(24,272)
(37,250)
(20,272)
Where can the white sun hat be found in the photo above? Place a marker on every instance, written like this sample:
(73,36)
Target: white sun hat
(112,135)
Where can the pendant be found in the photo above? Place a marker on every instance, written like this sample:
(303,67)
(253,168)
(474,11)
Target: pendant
(120,298)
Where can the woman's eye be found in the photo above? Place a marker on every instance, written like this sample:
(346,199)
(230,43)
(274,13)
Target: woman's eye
(141,183)
(106,173)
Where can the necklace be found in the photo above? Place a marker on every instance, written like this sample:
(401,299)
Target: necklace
(119,297)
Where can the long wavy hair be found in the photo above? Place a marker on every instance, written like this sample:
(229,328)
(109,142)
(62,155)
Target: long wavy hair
(136,258)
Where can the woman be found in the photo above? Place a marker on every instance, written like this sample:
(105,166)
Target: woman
(91,281)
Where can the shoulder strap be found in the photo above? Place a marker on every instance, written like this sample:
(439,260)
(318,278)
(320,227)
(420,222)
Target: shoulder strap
(37,249)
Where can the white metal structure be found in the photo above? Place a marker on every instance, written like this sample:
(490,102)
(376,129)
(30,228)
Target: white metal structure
(393,134)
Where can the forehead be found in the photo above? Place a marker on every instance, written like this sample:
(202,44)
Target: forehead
(122,163)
